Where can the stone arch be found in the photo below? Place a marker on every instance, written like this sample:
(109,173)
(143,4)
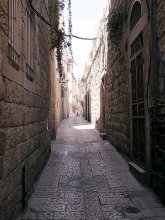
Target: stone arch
(138,35)
(136,13)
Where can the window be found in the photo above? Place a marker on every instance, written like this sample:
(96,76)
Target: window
(29,46)
(135,15)
(138,70)
(13,33)
(12,22)
(138,115)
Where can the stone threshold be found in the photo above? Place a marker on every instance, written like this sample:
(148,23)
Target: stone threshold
(103,136)
(139,173)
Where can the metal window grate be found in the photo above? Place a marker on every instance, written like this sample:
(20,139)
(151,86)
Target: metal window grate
(138,120)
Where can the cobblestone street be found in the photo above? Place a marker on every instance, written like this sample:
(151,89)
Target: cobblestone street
(86,178)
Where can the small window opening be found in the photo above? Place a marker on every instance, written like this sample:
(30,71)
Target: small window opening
(135,15)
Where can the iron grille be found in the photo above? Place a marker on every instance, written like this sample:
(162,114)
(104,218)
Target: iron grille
(138,120)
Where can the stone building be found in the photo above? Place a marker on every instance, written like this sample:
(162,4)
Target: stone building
(135,87)
(59,92)
(56,100)
(59,96)
(56,115)
(94,75)
(65,87)
(73,85)
(24,100)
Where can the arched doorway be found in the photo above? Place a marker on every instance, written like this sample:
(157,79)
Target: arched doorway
(138,35)
(138,118)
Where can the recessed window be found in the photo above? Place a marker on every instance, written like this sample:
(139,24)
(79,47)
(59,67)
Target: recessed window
(13,34)
(13,20)
(137,45)
(135,15)
(29,43)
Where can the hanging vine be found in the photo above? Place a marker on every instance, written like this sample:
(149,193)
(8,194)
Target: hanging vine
(58,34)
(58,43)
(58,39)
(62,5)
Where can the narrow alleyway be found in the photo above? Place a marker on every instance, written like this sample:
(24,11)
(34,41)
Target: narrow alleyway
(86,178)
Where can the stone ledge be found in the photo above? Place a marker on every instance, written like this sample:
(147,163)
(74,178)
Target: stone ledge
(139,173)
(103,136)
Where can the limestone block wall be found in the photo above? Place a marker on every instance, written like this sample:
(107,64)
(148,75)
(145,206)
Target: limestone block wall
(95,90)
(24,108)
(160,16)
(94,73)
(117,109)
(117,102)
(56,101)
(118,84)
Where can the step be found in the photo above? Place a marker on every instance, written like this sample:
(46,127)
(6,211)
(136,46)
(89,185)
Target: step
(103,136)
(139,173)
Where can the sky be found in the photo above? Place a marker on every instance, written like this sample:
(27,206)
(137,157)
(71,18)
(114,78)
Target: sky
(86,16)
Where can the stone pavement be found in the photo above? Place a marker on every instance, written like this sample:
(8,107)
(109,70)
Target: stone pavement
(86,178)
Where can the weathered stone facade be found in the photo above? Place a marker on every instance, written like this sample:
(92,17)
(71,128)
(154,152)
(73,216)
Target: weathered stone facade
(117,93)
(134,86)
(94,77)
(56,99)
(24,102)
(160,12)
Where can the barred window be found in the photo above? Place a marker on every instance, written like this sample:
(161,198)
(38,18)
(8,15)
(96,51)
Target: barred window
(13,19)
(13,33)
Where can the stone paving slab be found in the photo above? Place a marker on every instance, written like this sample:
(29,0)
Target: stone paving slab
(87,179)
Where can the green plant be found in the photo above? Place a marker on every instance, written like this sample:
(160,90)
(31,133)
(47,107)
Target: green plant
(57,34)
(115,25)
(58,41)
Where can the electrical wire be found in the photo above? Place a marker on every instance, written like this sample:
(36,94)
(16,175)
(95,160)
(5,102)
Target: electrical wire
(57,31)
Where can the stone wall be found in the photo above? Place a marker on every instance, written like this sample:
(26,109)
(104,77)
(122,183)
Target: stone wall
(117,104)
(122,131)
(134,85)
(56,100)
(160,12)
(24,110)
(117,93)
(94,73)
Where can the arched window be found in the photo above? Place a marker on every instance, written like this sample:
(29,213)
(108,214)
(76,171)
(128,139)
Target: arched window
(135,15)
